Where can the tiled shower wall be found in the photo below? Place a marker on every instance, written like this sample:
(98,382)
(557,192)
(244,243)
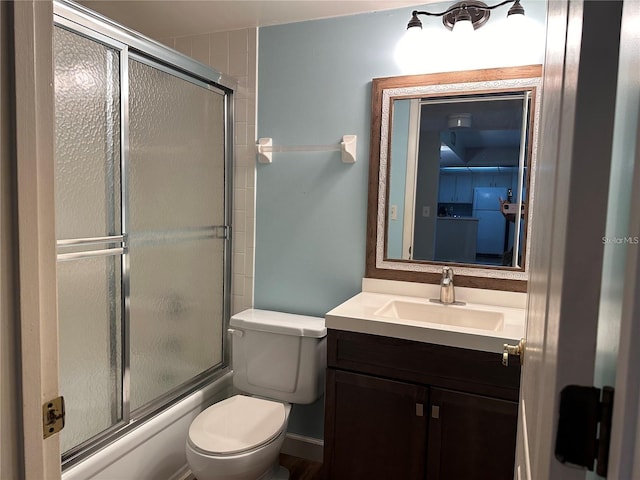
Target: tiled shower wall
(235,53)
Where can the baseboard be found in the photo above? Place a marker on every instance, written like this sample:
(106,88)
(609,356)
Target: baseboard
(303,447)
(183,474)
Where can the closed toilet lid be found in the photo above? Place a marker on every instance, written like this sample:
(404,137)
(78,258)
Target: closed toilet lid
(237,424)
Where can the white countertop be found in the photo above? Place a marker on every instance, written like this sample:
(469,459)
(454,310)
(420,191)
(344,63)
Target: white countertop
(358,315)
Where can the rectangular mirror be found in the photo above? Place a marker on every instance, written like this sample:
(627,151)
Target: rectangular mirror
(452,165)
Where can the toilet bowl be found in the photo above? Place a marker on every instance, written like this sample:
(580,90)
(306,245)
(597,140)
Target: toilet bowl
(238,439)
(277,358)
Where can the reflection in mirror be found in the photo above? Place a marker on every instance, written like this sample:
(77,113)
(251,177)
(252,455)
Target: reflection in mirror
(451,171)
(457,164)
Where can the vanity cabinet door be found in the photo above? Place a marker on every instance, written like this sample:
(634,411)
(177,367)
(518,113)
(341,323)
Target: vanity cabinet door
(376,428)
(470,436)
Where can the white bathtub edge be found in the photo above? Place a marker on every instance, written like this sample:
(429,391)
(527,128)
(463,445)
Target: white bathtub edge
(106,458)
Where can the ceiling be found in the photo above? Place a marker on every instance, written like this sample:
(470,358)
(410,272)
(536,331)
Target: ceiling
(491,139)
(161,19)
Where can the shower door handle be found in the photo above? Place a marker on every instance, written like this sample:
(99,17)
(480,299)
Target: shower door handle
(71,243)
(221,231)
(61,257)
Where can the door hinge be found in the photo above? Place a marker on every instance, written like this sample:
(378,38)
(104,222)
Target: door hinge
(52,416)
(584,427)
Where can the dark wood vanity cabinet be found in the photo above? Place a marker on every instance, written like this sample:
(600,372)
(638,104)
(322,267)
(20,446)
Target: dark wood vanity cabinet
(470,436)
(399,409)
(376,433)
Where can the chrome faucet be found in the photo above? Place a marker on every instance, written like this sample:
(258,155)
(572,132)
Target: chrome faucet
(447,291)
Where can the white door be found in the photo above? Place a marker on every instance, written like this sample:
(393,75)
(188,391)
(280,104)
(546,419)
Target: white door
(410,180)
(580,83)
(36,232)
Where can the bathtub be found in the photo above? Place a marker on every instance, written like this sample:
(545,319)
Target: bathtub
(156,449)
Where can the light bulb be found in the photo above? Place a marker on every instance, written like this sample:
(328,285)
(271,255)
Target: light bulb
(410,50)
(516,20)
(462,28)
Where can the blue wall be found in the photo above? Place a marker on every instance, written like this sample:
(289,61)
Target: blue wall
(314,85)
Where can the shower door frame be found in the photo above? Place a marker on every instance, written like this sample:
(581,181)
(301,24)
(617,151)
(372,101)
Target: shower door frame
(131,45)
(33,230)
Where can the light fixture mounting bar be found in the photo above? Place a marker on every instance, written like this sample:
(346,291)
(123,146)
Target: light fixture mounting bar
(478,11)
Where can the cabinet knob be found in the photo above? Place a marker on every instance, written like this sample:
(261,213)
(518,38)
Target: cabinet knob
(419,410)
(513,350)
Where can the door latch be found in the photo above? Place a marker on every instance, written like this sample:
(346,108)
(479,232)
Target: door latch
(513,350)
(52,416)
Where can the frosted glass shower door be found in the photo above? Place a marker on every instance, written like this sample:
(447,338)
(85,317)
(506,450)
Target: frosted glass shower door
(88,233)
(143,151)
(176,229)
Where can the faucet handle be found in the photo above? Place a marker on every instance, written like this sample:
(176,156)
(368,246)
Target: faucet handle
(447,273)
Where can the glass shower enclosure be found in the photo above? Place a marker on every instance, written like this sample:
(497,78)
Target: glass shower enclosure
(143,165)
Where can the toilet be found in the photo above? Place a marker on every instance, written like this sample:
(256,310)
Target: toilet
(277,359)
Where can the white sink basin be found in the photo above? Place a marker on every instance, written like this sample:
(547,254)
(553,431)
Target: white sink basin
(452,315)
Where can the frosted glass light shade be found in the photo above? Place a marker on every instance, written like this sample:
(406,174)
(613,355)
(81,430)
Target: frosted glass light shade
(410,48)
(516,21)
(463,27)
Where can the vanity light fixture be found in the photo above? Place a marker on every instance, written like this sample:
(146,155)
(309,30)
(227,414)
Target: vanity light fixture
(467,15)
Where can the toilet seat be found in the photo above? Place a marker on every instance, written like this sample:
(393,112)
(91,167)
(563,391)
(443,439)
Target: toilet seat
(237,424)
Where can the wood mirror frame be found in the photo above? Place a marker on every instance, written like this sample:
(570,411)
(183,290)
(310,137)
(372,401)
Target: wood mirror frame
(452,83)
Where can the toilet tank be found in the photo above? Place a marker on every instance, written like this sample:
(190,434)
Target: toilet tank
(279,355)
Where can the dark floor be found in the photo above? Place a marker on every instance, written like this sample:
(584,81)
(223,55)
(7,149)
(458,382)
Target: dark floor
(301,469)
